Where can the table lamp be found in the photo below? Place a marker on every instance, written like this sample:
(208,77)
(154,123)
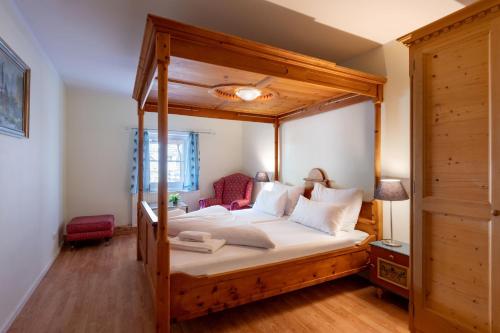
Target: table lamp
(261,177)
(391,190)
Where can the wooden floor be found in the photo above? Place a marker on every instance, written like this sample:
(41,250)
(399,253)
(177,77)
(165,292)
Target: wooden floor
(102,288)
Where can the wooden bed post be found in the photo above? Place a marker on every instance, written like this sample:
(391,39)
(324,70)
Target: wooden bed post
(378,208)
(163,248)
(276,149)
(140,174)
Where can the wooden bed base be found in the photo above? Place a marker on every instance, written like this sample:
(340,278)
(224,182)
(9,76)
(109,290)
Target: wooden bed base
(196,296)
(193,296)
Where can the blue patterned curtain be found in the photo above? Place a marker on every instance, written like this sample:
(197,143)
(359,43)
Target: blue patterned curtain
(134,187)
(192,170)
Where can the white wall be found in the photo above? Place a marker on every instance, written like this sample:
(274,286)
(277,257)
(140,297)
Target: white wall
(341,142)
(30,176)
(391,61)
(98,152)
(258,151)
(258,148)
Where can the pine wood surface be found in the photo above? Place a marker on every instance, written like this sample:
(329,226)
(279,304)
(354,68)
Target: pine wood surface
(455,190)
(99,288)
(202,60)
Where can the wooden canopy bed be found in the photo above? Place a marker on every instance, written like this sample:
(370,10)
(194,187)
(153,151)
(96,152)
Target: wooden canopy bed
(190,71)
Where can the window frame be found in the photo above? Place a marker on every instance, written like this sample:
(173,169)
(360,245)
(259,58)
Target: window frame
(172,137)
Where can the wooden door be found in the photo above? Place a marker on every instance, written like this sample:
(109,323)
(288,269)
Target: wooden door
(495,173)
(456,172)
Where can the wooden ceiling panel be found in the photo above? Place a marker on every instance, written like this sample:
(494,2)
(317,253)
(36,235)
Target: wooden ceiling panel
(191,95)
(294,94)
(209,75)
(191,81)
(272,107)
(302,90)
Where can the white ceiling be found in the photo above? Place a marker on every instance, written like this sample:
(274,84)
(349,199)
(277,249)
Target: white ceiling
(96,43)
(381,21)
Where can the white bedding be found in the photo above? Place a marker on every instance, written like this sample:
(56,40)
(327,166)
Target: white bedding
(238,216)
(292,241)
(220,223)
(254,216)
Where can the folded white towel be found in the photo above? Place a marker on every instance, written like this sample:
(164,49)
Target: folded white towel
(208,246)
(194,236)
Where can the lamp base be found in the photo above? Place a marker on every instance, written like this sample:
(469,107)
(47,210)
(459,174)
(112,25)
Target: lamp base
(391,242)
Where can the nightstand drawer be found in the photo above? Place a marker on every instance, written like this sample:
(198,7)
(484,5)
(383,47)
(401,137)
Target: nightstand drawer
(397,258)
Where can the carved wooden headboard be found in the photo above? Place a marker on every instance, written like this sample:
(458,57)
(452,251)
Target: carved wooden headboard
(370,217)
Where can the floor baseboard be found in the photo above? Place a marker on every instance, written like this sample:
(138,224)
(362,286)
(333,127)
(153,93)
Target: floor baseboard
(28,294)
(124,230)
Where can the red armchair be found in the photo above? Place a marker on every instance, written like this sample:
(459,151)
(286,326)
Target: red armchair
(233,192)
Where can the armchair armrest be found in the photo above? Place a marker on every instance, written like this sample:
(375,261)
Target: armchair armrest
(248,191)
(239,204)
(207,202)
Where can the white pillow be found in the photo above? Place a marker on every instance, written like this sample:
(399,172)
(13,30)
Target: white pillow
(321,216)
(352,198)
(268,186)
(294,192)
(271,202)
(246,235)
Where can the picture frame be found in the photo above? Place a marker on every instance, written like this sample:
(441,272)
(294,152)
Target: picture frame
(14,93)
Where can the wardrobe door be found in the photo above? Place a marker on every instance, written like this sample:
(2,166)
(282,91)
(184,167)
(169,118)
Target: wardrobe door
(456,182)
(495,155)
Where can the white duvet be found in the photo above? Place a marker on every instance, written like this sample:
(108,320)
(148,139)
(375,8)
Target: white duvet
(221,224)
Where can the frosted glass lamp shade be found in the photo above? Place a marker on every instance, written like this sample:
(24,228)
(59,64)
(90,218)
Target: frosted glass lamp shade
(248,93)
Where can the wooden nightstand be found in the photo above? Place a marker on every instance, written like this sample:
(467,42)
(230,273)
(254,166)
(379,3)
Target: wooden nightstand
(389,268)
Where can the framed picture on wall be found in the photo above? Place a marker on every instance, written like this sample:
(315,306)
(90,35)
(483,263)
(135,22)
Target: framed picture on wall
(14,93)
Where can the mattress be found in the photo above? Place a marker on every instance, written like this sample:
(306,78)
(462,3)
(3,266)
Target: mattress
(292,241)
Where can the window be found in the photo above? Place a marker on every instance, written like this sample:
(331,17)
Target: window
(177,157)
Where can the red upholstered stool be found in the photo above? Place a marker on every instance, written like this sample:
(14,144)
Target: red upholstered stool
(90,227)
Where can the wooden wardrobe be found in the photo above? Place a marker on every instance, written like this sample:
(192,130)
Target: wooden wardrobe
(455,82)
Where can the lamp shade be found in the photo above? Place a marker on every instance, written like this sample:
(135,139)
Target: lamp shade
(391,190)
(261,176)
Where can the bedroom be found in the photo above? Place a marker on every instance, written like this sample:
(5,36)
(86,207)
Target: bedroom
(349,116)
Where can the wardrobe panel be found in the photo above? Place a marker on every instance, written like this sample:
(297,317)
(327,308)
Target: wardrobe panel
(456,120)
(457,269)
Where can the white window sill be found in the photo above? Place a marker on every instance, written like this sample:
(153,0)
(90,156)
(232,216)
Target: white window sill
(181,191)
(175,191)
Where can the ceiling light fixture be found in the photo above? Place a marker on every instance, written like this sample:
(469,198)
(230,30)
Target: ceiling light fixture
(242,93)
(248,94)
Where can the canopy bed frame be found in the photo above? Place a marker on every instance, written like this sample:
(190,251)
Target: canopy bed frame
(186,70)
